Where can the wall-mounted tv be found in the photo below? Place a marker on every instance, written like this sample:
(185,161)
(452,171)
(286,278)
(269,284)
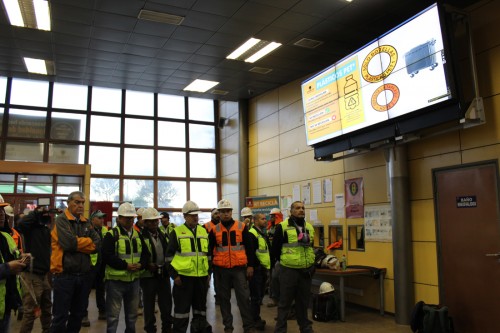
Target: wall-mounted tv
(367,96)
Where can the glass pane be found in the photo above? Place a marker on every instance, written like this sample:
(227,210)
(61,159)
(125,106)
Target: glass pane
(204,194)
(202,165)
(139,131)
(35,184)
(106,100)
(59,153)
(3,89)
(171,163)
(138,162)
(24,151)
(104,189)
(69,96)
(67,189)
(171,194)
(201,109)
(104,160)
(68,126)
(38,92)
(171,134)
(61,202)
(26,124)
(201,136)
(140,103)
(1,120)
(6,183)
(105,129)
(139,191)
(170,106)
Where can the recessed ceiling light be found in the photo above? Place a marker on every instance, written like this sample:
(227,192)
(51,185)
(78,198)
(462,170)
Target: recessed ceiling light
(201,85)
(33,14)
(36,66)
(253,49)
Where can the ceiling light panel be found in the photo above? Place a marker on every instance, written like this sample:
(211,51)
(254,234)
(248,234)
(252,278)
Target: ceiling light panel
(159,17)
(201,85)
(33,14)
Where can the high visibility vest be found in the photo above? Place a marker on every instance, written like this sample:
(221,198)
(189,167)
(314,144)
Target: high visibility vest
(94,256)
(229,251)
(262,252)
(191,258)
(209,226)
(295,254)
(166,231)
(128,249)
(3,288)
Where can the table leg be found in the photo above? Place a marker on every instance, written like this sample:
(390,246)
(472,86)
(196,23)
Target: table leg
(382,295)
(342,299)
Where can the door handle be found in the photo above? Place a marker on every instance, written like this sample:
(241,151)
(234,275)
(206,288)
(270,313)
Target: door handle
(493,254)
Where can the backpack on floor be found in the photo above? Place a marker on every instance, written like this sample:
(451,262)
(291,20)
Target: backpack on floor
(429,318)
(326,307)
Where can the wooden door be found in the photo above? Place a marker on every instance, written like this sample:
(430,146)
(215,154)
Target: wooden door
(468,229)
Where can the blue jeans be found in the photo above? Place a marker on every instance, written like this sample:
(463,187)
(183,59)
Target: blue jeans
(71,297)
(116,291)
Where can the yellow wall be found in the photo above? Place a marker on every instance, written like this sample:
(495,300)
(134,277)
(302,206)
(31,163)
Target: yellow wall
(279,158)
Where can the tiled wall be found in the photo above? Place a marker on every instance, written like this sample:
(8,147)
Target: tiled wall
(279,158)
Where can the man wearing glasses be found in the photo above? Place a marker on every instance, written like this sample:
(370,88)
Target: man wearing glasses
(73,240)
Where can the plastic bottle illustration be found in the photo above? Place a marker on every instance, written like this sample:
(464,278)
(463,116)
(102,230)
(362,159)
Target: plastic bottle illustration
(351,97)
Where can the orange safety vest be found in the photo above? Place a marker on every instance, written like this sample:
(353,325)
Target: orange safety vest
(233,253)
(209,226)
(16,236)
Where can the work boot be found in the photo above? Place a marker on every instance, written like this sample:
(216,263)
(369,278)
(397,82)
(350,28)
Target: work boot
(86,321)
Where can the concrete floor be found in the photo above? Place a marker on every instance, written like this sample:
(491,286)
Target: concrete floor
(358,320)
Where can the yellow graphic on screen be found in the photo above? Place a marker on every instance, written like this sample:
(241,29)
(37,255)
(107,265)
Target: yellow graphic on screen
(351,103)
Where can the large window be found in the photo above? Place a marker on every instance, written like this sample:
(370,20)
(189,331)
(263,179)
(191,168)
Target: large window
(150,149)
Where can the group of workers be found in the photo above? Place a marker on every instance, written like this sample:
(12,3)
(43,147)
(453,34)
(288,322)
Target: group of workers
(132,264)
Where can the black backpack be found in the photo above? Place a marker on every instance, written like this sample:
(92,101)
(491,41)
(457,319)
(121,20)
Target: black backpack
(326,307)
(430,318)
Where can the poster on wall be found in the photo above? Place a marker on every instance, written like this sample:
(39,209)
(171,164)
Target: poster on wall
(262,204)
(354,198)
(378,223)
(286,203)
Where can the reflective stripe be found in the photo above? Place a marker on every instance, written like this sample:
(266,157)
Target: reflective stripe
(125,256)
(296,245)
(190,254)
(237,247)
(222,249)
(168,259)
(181,315)
(262,251)
(185,236)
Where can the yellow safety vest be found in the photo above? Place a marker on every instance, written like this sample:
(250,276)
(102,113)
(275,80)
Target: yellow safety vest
(94,256)
(3,288)
(293,253)
(262,252)
(128,249)
(191,258)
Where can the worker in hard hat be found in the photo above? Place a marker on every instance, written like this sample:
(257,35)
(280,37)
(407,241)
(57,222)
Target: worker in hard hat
(263,264)
(126,255)
(233,264)
(188,255)
(246,216)
(275,216)
(293,247)
(209,226)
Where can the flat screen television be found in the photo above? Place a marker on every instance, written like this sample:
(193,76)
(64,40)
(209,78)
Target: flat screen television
(401,82)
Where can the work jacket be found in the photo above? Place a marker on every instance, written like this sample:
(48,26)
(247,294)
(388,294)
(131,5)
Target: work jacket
(191,251)
(229,250)
(296,254)
(72,243)
(262,249)
(14,252)
(147,236)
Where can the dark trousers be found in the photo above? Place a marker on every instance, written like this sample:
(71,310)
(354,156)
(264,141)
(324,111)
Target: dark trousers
(235,277)
(257,288)
(36,285)
(5,322)
(71,298)
(97,281)
(274,285)
(191,294)
(295,286)
(151,288)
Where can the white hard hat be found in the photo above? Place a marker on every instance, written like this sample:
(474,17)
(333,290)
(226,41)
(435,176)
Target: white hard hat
(275,211)
(140,211)
(127,209)
(246,212)
(326,287)
(2,202)
(191,208)
(150,214)
(224,204)
(9,210)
